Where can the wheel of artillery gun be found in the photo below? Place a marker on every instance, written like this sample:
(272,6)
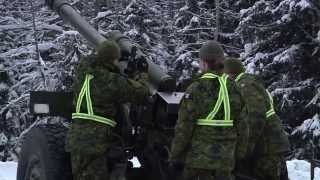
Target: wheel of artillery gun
(43,156)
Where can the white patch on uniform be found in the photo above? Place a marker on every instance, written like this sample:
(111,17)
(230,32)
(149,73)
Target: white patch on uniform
(187,96)
(242,85)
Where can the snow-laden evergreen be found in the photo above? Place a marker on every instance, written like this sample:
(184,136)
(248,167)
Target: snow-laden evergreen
(282,46)
(307,138)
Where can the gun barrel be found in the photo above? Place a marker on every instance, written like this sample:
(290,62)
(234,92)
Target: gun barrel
(68,13)
(159,79)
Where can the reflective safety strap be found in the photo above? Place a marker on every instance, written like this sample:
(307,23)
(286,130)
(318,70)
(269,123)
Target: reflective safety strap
(88,95)
(239,76)
(209,76)
(226,102)
(271,110)
(215,110)
(205,122)
(80,98)
(94,118)
(85,91)
(222,97)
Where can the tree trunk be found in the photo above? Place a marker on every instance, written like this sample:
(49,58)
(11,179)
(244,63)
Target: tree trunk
(216,36)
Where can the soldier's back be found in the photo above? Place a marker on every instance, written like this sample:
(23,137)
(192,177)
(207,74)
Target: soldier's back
(253,92)
(213,147)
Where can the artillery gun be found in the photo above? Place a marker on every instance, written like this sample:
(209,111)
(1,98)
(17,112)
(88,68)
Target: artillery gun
(146,131)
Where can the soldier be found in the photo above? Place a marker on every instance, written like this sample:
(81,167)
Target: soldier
(209,124)
(99,84)
(267,139)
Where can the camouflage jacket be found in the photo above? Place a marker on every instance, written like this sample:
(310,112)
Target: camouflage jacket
(109,90)
(254,95)
(274,138)
(209,147)
(266,134)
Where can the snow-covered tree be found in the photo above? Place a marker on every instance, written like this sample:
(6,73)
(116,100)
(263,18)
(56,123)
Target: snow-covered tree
(280,39)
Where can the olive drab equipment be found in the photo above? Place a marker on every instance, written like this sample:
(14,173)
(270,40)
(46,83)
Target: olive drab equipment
(222,98)
(271,111)
(85,91)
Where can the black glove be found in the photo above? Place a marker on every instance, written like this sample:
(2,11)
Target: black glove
(142,65)
(175,170)
(131,68)
(137,65)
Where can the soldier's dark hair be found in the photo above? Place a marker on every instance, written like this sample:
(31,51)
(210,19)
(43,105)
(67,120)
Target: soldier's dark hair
(234,65)
(215,64)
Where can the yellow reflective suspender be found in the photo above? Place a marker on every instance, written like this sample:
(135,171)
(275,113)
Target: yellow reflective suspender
(223,97)
(85,91)
(271,111)
(239,77)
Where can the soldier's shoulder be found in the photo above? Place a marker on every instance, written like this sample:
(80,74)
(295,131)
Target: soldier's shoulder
(193,86)
(249,80)
(85,64)
(191,90)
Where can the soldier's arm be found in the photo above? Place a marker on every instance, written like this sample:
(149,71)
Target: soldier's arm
(184,128)
(129,90)
(242,127)
(255,104)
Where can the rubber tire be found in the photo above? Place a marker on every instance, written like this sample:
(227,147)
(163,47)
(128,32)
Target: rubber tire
(44,146)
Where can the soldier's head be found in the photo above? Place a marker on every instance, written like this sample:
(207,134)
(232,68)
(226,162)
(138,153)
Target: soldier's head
(211,56)
(108,52)
(233,67)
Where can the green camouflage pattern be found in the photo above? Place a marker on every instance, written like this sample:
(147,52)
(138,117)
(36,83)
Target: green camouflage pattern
(268,140)
(108,51)
(269,158)
(267,167)
(203,174)
(88,144)
(89,141)
(254,95)
(208,147)
(275,139)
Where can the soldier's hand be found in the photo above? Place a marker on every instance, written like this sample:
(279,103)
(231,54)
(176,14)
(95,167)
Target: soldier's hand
(175,170)
(142,65)
(139,65)
(131,68)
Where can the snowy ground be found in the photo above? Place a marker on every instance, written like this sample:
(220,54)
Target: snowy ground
(298,170)
(8,170)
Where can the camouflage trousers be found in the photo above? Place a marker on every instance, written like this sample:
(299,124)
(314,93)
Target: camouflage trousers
(89,167)
(267,167)
(88,143)
(203,174)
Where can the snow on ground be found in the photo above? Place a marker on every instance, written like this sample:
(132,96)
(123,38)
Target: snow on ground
(8,170)
(298,170)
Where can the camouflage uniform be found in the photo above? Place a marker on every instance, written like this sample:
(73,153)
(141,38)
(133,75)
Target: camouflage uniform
(89,141)
(269,159)
(208,152)
(254,94)
(263,159)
